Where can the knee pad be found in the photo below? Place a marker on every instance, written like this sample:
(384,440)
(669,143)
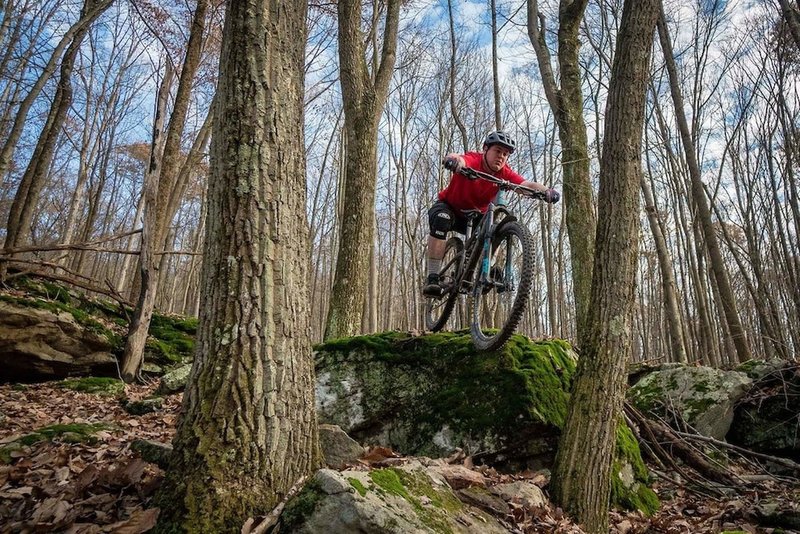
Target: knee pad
(441,222)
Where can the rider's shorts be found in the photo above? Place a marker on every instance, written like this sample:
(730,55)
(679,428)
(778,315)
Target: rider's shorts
(442,218)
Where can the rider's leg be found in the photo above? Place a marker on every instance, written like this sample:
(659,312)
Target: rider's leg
(436,248)
(440,219)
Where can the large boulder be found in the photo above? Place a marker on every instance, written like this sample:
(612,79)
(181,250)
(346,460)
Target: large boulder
(704,397)
(431,394)
(767,418)
(40,341)
(405,499)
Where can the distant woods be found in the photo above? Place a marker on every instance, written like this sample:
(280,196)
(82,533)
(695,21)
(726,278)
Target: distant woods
(101,99)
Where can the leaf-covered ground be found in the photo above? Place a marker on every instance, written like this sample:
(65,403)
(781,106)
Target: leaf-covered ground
(83,477)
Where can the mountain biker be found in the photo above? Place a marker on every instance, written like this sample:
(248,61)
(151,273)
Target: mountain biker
(463,194)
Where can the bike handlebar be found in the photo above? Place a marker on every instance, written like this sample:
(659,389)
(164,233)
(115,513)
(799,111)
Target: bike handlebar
(472,174)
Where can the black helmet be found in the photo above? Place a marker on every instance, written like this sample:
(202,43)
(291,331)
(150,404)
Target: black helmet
(502,139)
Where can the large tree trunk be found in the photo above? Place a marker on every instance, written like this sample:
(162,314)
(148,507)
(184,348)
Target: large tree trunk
(701,203)
(581,477)
(363,103)
(566,104)
(157,204)
(248,431)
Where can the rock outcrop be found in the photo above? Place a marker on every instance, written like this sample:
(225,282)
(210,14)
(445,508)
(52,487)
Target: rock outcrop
(46,344)
(704,397)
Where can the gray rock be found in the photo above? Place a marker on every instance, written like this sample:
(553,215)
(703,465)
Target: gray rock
(389,501)
(338,448)
(39,344)
(528,495)
(153,451)
(704,397)
(175,380)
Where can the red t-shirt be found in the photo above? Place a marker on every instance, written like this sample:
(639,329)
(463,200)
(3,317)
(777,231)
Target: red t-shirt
(465,194)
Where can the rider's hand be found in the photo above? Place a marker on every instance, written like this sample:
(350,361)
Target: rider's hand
(551,196)
(452,164)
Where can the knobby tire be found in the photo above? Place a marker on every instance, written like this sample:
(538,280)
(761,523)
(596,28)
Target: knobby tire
(481,339)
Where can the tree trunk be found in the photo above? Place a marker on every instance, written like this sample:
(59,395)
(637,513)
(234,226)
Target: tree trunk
(157,203)
(452,81)
(701,202)
(581,477)
(667,279)
(566,104)
(363,104)
(248,431)
(498,119)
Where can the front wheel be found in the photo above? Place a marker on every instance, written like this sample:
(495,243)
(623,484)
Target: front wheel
(438,309)
(502,287)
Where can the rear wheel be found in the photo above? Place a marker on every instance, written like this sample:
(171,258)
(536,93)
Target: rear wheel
(500,299)
(438,309)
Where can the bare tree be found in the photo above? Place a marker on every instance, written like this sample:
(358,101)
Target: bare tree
(364,100)
(566,103)
(582,474)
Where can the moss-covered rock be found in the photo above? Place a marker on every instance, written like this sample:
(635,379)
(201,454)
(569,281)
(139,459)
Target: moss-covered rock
(428,395)
(767,418)
(392,500)
(48,331)
(704,397)
(104,386)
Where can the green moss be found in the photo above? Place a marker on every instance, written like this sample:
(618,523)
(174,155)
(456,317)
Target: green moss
(96,385)
(172,338)
(70,433)
(411,486)
(479,393)
(359,487)
(750,366)
(639,496)
(301,507)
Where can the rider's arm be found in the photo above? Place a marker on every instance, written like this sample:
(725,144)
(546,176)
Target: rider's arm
(536,186)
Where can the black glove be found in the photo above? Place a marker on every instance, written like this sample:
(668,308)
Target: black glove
(452,164)
(551,196)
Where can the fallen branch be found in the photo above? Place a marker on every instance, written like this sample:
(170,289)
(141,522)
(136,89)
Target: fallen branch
(785,462)
(272,518)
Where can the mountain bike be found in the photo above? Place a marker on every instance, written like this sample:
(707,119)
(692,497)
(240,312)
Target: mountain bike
(493,265)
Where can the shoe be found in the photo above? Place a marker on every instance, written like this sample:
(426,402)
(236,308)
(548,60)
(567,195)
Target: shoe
(432,287)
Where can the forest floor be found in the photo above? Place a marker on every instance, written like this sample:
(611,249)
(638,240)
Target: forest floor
(67,484)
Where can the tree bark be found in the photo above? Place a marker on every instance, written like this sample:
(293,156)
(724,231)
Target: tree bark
(248,430)
(566,103)
(581,477)
(701,202)
(363,103)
